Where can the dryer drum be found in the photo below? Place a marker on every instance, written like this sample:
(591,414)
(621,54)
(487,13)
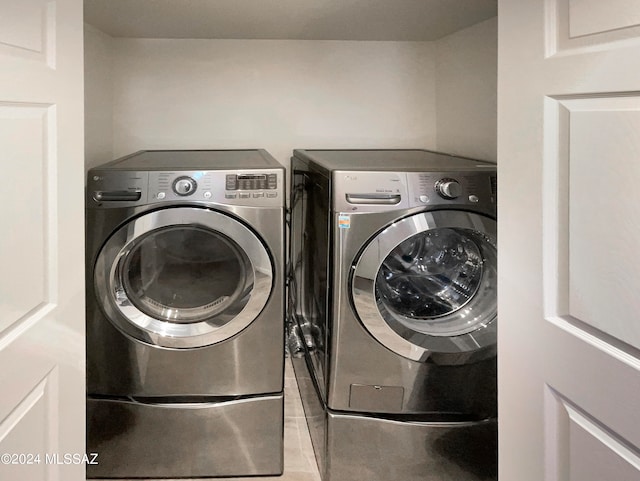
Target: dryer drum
(184,274)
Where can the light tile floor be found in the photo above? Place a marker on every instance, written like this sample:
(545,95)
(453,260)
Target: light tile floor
(299,460)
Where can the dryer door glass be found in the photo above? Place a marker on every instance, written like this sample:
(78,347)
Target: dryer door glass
(186,274)
(427,284)
(183,277)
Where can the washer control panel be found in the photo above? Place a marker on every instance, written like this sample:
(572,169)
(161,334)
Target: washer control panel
(448,188)
(457,188)
(361,191)
(184,186)
(110,188)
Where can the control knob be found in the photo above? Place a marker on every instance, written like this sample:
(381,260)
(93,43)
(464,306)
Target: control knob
(184,186)
(448,188)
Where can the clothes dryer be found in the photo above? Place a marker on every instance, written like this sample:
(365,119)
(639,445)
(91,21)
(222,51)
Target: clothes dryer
(185,314)
(397,312)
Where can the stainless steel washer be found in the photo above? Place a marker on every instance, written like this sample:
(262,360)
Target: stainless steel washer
(185,314)
(393,294)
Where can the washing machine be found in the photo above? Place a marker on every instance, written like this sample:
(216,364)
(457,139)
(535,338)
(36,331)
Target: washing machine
(393,305)
(185,314)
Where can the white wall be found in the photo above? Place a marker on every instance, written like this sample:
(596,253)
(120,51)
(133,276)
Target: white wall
(274,94)
(98,97)
(281,95)
(466,91)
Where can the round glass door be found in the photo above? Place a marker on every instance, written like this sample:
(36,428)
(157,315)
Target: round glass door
(183,277)
(432,279)
(184,274)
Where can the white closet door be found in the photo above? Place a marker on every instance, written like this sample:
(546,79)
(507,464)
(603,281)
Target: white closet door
(41,240)
(568,240)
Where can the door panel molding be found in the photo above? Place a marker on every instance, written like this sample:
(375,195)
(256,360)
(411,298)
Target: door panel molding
(30,291)
(40,393)
(599,340)
(579,202)
(28,31)
(35,418)
(589,17)
(570,28)
(578,443)
(601,380)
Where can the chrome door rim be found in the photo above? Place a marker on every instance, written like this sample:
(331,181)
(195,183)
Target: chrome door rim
(363,279)
(125,316)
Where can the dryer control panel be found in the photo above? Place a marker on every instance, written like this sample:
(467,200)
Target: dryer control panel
(122,188)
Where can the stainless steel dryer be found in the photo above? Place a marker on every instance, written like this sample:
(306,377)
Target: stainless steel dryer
(185,314)
(393,291)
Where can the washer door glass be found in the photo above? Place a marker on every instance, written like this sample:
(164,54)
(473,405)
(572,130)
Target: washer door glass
(183,277)
(432,279)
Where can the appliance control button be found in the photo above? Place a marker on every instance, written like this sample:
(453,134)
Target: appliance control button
(473,198)
(424,198)
(258,194)
(448,188)
(271,195)
(230,182)
(228,196)
(244,195)
(184,186)
(161,195)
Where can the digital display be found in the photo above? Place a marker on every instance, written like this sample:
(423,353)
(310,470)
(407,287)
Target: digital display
(251,182)
(251,177)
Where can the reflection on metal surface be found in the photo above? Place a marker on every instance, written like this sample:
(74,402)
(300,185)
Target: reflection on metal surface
(139,303)
(314,410)
(410,450)
(433,447)
(233,438)
(307,306)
